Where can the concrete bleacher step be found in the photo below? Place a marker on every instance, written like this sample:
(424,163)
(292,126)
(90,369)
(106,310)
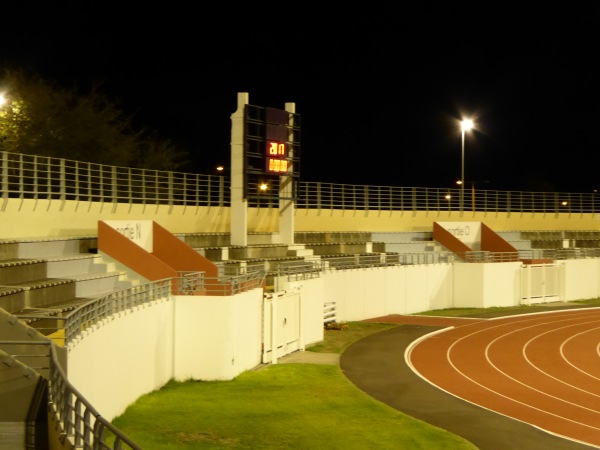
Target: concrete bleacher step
(326,248)
(9,249)
(49,247)
(11,298)
(264,251)
(299,250)
(202,240)
(402,236)
(15,271)
(554,239)
(62,266)
(43,291)
(49,321)
(96,284)
(328,237)
(46,281)
(253,252)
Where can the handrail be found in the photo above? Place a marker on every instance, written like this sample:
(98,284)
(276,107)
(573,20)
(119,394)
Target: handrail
(191,283)
(78,420)
(75,418)
(96,310)
(364,260)
(25,176)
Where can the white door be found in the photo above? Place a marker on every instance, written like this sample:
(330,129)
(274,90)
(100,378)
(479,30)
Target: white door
(541,283)
(281,325)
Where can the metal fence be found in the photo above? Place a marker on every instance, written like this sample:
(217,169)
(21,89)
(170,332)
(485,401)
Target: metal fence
(79,422)
(39,177)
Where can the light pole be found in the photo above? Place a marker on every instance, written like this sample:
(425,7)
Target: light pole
(465,125)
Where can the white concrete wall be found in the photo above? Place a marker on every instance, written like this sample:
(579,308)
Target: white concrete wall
(136,352)
(312,300)
(582,279)
(217,338)
(481,285)
(123,357)
(373,292)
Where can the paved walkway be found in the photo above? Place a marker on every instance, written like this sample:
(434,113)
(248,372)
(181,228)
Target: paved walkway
(310,358)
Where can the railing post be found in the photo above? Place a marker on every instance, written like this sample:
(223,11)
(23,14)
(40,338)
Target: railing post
(319,197)
(4,180)
(114,185)
(62,180)
(170,189)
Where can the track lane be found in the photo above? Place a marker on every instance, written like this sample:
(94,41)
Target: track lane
(517,367)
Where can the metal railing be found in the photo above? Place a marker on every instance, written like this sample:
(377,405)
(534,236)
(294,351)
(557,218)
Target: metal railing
(39,177)
(94,311)
(77,419)
(312,268)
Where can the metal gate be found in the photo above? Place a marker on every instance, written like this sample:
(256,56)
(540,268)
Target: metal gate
(281,325)
(541,283)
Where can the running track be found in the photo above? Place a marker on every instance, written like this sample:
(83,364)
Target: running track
(542,369)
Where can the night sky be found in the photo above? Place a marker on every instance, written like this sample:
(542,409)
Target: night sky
(380,86)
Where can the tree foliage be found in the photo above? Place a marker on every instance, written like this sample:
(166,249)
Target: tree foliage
(38,118)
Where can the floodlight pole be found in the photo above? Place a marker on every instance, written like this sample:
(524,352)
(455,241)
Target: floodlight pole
(462,170)
(465,125)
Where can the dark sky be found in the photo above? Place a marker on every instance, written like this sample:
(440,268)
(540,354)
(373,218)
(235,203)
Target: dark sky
(380,86)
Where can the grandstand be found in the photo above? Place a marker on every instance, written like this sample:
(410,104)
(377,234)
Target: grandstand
(101,264)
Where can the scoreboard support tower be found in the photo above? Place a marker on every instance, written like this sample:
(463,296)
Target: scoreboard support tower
(265,163)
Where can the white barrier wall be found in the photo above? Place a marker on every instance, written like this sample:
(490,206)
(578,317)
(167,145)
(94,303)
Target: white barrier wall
(373,292)
(125,356)
(481,285)
(193,337)
(312,300)
(217,338)
(582,279)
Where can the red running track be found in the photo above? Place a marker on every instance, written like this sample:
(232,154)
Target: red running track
(542,369)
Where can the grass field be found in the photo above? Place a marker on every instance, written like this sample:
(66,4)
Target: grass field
(286,406)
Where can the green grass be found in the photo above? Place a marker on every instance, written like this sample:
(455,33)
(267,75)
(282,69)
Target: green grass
(498,311)
(287,406)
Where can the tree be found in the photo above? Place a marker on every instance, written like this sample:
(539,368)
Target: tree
(40,119)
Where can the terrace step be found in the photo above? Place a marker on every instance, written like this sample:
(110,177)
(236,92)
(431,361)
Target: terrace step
(49,321)
(11,298)
(299,250)
(41,292)
(45,292)
(17,271)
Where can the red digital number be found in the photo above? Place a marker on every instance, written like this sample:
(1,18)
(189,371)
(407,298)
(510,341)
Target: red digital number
(276,149)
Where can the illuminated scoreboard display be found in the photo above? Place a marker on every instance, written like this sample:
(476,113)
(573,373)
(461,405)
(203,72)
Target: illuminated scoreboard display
(276,142)
(277,154)
(271,151)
